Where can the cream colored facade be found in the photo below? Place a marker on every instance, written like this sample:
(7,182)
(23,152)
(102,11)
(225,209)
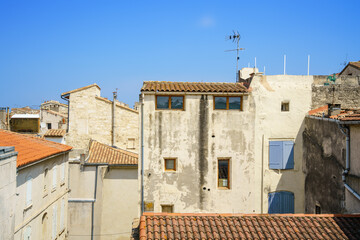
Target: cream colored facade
(42,199)
(103,201)
(90,117)
(200,135)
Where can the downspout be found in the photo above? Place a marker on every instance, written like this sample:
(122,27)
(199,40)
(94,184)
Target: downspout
(68,100)
(93,205)
(113,119)
(346,132)
(142,152)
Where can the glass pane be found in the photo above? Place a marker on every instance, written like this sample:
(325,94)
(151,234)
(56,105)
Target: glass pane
(234,102)
(177,102)
(162,102)
(170,164)
(220,102)
(223,173)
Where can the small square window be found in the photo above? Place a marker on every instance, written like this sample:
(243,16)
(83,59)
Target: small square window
(49,125)
(223,173)
(170,164)
(130,143)
(167,208)
(285,106)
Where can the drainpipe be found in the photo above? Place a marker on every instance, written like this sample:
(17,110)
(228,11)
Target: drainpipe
(93,204)
(142,152)
(113,119)
(346,132)
(68,100)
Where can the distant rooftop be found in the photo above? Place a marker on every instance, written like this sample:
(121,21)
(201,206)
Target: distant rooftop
(25,116)
(55,133)
(341,114)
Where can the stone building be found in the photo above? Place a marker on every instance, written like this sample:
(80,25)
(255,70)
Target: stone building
(331,164)
(55,106)
(50,119)
(352,69)
(104,196)
(41,186)
(222,147)
(94,117)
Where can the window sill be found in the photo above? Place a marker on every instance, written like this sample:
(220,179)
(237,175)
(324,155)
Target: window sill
(61,232)
(28,207)
(224,188)
(53,190)
(62,183)
(45,194)
(170,171)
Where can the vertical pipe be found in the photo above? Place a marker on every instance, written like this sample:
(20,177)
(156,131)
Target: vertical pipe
(93,204)
(308,65)
(284,64)
(113,119)
(142,153)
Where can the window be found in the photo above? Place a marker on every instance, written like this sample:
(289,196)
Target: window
(223,173)
(281,154)
(62,213)
(131,143)
(54,219)
(28,191)
(54,177)
(167,208)
(228,103)
(46,174)
(317,209)
(62,172)
(27,233)
(285,106)
(49,125)
(170,102)
(170,164)
(281,202)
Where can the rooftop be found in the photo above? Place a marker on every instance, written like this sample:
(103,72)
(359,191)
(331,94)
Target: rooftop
(102,153)
(80,89)
(55,133)
(30,149)
(342,115)
(248,226)
(215,87)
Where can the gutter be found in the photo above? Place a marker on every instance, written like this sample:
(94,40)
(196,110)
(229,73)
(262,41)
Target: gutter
(142,152)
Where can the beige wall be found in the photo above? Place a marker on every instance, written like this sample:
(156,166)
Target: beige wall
(39,214)
(199,136)
(91,118)
(55,120)
(115,205)
(7,194)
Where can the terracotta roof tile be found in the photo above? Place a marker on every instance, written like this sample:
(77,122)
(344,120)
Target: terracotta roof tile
(154,86)
(248,226)
(102,153)
(55,133)
(30,149)
(355,64)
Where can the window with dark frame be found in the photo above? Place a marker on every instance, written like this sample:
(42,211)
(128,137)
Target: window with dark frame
(49,125)
(170,102)
(317,209)
(285,106)
(170,164)
(223,173)
(228,103)
(167,208)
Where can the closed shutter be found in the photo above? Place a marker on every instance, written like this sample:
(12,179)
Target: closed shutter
(62,209)
(28,191)
(281,202)
(62,174)
(288,155)
(27,233)
(54,177)
(275,154)
(54,228)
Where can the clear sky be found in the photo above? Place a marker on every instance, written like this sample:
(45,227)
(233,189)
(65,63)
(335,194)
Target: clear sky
(50,47)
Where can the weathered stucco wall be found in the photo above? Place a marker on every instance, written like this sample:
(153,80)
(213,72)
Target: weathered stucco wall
(39,215)
(90,117)
(7,193)
(324,162)
(198,136)
(57,121)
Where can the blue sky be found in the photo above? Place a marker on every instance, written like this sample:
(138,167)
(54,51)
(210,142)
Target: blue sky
(50,47)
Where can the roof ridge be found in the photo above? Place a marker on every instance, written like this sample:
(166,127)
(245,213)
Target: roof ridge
(115,148)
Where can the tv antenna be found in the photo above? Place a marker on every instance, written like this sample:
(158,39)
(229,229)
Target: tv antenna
(235,37)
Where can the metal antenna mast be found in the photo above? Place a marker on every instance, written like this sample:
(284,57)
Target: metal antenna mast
(235,37)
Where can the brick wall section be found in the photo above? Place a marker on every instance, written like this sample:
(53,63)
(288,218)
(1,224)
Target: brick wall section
(90,118)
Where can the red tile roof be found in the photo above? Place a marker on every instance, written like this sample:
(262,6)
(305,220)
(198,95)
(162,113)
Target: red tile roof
(344,115)
(102,153)
(319,111)
(30,149)
(251,226)
(55,133)
(155,86)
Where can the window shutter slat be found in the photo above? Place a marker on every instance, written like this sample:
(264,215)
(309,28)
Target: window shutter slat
(275,154)
(287,202)
(274,203)
(288,155)
(54,177)
(54,230)
(28,191)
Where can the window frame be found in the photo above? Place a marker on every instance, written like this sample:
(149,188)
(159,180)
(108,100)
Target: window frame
(169,96)
(227,103)
(171,169)
(285,103)
(167,205)
(228,175)
(283,166)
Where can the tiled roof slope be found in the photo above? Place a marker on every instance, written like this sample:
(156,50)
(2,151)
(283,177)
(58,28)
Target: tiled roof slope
(102,153)
(30,149)
(155,86)
(236,226)
(55,133)
(344,115)
(355,64)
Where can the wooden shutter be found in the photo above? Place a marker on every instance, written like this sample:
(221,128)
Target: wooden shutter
(62,209)
(288,155)
(274,203)
(54,229)
(281,202)
(28,191)
(27,233)
(54,176)
(62,172)
(275,154)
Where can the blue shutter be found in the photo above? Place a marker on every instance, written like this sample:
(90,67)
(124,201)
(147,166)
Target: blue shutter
(275,154)
(274,203)
(288,155)
(287,202)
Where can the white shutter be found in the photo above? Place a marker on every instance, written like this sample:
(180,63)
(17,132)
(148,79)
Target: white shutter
(54,230)
(62,172)
(62,214)
(27,233)
(28,190)
(54,177)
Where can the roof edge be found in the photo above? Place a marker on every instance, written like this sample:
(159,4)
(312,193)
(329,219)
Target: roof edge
(80,89)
